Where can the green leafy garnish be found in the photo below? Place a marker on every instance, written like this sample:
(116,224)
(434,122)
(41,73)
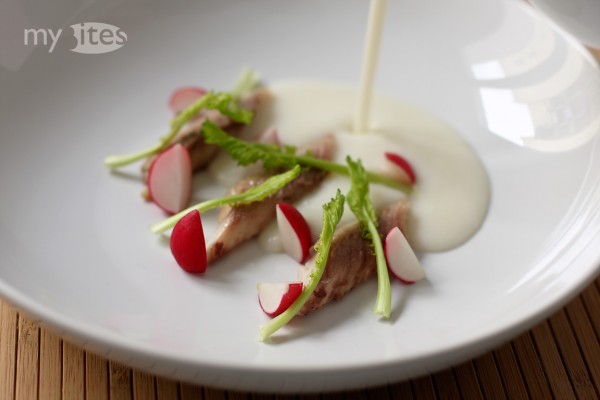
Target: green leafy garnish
(254,194)
(246,153)
(247,82)
(332,213)
(361,206)
(225,103)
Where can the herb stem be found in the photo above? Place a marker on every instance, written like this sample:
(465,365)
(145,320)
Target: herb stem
(254,194)
(282,319)
(362,207)
(226,103)
(246,153)
(116,161)
(383,302)
(343,170)
(332,213)
(201,207)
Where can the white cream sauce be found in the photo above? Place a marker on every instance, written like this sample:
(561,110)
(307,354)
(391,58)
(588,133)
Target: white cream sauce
(450,199)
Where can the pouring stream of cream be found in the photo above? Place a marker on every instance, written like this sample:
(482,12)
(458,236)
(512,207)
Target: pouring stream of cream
(369,66)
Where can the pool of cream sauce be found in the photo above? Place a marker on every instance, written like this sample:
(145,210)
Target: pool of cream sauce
(450,198)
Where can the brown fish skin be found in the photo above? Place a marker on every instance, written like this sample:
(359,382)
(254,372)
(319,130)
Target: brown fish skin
(191,136)
(242,223)
(351,259)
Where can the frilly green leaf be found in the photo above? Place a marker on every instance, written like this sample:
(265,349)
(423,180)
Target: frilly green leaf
(332,213)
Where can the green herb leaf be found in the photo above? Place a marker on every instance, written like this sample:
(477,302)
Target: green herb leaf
(226,103)
(254,194)
(361,206)
(246,153)
(332,213)
(247,82)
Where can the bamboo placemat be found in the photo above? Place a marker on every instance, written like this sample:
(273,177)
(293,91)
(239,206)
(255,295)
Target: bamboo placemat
(559,358)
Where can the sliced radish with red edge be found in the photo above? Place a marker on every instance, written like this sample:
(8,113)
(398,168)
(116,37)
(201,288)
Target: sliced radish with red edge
(184,97)
(187,243)
(170,179)
(401,259)
(294,231)
(404,166)
(275,298)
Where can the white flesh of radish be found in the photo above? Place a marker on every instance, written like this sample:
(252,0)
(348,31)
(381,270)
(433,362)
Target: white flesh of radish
(289,237)
(170,179)
(401,259)
(270,295)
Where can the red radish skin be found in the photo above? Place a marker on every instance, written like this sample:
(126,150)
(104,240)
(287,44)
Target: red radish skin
(187,243)
(404,165)
(275,298)
(401,259)
(184,97)
(170,179)
(294,232)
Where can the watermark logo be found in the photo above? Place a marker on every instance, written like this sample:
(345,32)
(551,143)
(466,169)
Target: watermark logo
(91,37)
(97,37)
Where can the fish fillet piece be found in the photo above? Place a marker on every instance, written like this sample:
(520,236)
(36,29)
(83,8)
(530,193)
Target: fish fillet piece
(191,137)
(241,223)
(351,259)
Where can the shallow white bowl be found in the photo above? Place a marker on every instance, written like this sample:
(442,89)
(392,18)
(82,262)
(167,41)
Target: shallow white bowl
(75,252)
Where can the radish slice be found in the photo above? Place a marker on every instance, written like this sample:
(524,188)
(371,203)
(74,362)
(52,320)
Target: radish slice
(294,231)
(170,179)
(406,172)
(401,260)
(269,136)
(184,97)
(275,298)
(187,243)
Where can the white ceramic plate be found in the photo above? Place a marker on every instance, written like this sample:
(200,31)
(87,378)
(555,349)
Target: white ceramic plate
(76,254)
